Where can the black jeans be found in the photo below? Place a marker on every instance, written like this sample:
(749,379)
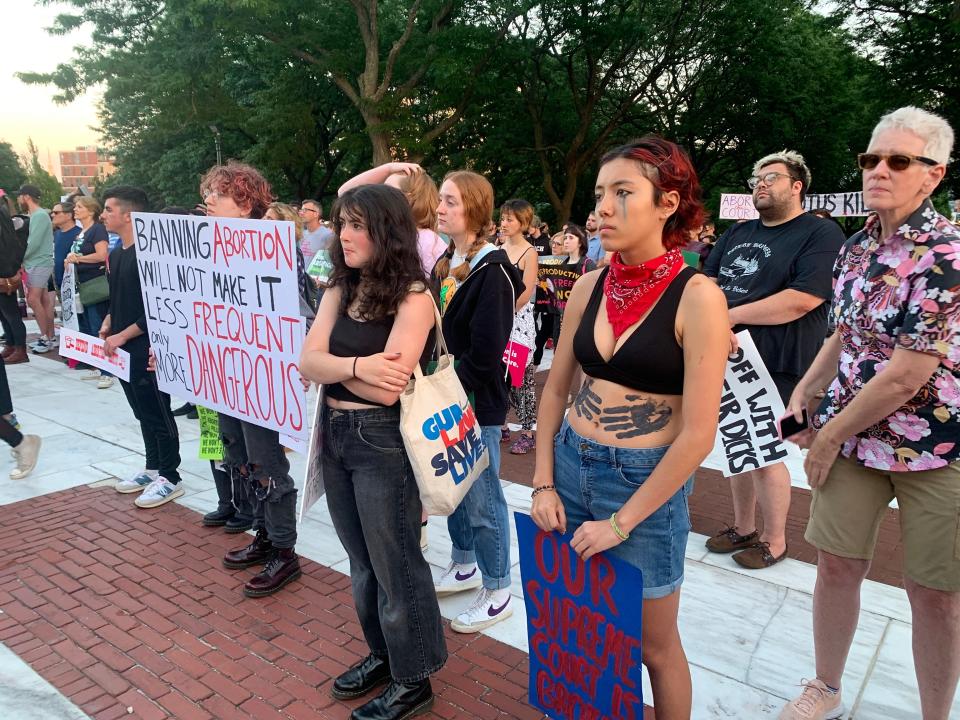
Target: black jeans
(8,433)
(161,439)
(375,506)
(14,331)
(544,323)
(251,452)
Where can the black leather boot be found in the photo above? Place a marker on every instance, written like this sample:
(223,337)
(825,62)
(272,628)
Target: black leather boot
(256,553)
(363,677)
(398,702)
(225,509)
(282,568)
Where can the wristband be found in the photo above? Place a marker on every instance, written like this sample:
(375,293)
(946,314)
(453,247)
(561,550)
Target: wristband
(616,528)
(355,365)
(542,488)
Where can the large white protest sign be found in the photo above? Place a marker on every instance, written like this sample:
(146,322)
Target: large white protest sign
(747,436)
(736,206)
(88,349)
(223,309)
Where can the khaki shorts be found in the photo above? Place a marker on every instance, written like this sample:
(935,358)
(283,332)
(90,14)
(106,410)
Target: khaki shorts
(846,511)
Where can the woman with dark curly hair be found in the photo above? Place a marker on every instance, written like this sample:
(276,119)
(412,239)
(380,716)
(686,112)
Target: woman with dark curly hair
(621,466)
(371,330)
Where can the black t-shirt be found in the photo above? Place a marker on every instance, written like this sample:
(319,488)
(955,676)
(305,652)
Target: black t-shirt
(126,300)
(752,261)
(86,244)
(541,243)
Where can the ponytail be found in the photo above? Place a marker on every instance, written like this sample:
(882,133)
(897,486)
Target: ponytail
(461,271)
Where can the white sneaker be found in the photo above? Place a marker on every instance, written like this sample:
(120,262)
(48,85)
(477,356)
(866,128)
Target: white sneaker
(137,482)
(106,381)
(91,375)
(43,345)
(159,492)
(25,455)
(489,608)
(457,578)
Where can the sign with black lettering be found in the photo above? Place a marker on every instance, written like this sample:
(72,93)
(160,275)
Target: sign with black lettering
(739,206)
(749,409)
(223,310)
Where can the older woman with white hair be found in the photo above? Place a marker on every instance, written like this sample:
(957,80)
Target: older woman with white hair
(889,426)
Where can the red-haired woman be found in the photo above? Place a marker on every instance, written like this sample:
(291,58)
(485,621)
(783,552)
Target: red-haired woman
(253,456)
(621,466)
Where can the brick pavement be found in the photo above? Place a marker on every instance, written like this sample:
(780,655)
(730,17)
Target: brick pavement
(122,608)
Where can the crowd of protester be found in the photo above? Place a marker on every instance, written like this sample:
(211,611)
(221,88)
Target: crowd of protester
(860,335)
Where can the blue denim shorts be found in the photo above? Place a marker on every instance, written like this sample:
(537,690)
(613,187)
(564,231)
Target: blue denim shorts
(595,480)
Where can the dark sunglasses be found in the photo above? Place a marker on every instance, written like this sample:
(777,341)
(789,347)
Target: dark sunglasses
(896,162)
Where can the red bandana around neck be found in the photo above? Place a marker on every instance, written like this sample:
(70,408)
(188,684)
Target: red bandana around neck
(631,290)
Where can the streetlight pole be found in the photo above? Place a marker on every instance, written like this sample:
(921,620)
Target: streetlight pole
(216,141)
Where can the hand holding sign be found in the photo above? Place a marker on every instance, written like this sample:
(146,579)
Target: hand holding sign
(547,509)
(594,537)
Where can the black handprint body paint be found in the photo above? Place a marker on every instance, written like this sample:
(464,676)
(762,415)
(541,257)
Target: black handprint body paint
(642,416)
(587,404)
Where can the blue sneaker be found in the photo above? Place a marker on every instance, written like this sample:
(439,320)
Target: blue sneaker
(159,492)
(136,483)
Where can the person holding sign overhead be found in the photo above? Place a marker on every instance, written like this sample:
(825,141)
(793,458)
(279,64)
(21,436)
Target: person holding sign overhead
(253,454)
(371,329)
(621,466)
(889,425)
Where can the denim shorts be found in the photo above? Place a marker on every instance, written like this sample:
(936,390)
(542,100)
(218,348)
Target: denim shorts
(595,480)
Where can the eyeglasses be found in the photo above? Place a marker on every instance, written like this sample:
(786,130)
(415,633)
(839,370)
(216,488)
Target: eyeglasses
(897,162)
(767,179)
(306,209)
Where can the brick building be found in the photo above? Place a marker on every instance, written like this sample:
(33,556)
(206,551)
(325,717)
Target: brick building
(83,166)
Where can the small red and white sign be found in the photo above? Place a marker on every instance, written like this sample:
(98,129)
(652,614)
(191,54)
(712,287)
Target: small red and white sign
(89,350)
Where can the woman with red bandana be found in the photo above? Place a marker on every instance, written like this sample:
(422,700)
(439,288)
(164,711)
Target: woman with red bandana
(621,466)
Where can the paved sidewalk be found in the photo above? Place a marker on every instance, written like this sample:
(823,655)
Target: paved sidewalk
(101,599)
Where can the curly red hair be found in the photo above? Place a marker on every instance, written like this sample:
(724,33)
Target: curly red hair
(668,167)
(240,182)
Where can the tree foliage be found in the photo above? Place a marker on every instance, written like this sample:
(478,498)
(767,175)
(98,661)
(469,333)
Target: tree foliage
(12,175)
(529,92)
(50,188)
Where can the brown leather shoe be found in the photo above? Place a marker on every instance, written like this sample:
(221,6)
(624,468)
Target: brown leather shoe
(256,553)
(729,540)
(282,568)
(7,349)
(758,557)
(19,355)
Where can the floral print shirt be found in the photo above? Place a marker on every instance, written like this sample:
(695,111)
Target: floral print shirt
(902,292)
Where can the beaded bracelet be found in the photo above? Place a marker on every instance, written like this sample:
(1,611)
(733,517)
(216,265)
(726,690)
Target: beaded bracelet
(616,528)
(542,488)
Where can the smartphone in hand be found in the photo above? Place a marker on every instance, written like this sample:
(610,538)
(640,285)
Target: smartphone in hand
(788,425)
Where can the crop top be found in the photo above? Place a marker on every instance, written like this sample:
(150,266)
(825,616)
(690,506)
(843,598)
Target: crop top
(349,338)
(650,359)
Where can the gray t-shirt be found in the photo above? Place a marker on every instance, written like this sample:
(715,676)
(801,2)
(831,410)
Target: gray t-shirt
(312,242)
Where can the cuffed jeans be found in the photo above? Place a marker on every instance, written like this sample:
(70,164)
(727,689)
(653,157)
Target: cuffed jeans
(480,527)
(257,450)
(161,439)
(375,506)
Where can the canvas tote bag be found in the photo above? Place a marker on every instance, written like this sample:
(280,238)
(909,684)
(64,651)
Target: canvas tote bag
(441,433)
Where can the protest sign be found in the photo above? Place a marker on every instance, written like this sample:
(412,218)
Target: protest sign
(211,446)
(739,206)
(223,309)
(747,435)
(321,267)
(583,629)
(70,306)
(515,358)
(313,487)
(88,349)
(547,267)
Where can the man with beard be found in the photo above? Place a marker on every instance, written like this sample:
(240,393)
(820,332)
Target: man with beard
(776,272)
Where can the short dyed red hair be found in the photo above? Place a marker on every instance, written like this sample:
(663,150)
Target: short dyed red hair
(240,182)
(668,167)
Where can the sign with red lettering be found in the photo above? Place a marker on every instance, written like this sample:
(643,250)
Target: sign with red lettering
(222,301)
(583,629)
(89,349)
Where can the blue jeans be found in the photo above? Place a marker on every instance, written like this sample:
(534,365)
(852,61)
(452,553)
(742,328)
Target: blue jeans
(90,320)
(480,527)
(595,480)
(375,506)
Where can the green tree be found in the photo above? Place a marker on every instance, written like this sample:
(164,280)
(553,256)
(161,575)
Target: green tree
(12,175)
(50,188)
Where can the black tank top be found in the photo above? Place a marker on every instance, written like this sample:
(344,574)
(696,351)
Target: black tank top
(651,359)
(350,338)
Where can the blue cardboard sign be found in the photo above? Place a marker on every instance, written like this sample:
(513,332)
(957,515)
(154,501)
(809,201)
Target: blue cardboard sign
(583,629)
